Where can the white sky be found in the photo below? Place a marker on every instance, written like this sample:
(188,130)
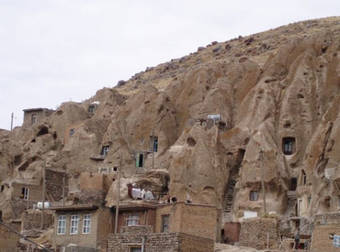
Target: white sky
(53,51)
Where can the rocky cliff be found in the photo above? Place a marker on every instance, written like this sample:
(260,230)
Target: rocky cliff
(260,109)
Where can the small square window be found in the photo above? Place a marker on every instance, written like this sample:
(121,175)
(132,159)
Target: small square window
(72,131)
(92,108)
(105,150)
(132,220)
(288,145)
(253,196)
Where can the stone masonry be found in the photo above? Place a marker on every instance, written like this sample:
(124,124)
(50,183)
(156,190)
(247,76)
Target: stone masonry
(132,237)
(254,233)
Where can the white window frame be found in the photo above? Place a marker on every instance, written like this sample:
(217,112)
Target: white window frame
(74,224)
(87,224)
(61,226)
(132,220)
(26,193)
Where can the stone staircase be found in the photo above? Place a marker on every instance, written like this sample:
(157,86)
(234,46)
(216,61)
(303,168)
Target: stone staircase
(229,200)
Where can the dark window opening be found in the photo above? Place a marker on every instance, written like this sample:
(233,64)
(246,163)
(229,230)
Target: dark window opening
(191,141)
(72,131)
(140,160)
(91,108)
(153,143)
(43,131)
(304,177)
(17,159)
(0,216)
(2,188)
(174,199)
(33,118)
(165,223)
(105,150)
(136,249)
(24,193)
(288,145)
(253,196)
(293,184)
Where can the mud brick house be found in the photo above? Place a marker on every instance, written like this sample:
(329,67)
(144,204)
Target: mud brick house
(81,227)
(325,226)
(164,227)
(35,115)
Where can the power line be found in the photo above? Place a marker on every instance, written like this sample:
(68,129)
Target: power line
(23,236)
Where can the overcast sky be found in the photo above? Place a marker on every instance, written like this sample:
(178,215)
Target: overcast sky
(53,51)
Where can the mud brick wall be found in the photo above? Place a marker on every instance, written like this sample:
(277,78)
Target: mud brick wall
(320,238)
(254,233)
(54,184)
(159,242)
(32,220)
(8,240)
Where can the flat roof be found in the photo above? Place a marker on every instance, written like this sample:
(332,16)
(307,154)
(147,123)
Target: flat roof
(74,207)
(35,109)
(136,205)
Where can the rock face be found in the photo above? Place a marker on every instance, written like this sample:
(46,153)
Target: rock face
(275,97)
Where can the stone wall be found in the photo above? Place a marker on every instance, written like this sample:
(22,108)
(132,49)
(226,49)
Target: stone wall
(159,242)
(231,232)
(54,184)
(195,219)
(32,219)
(325,224)
(320,238)
(8,240)
(254,233)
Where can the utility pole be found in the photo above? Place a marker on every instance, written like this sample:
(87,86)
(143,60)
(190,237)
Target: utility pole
(64,189)
(118,194)
(12,116)
(262,183)
(43,195)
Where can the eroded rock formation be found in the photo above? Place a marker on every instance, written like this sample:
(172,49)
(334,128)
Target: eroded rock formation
(277,94)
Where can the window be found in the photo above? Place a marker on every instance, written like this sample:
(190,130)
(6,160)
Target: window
(253,196)
(92,108)
(165,223)
(132,220)
(74,224)
(105,150)
(136,249)
(72,131)
(293,184)
(288,145)
(87,224)
(61,228)
(153,143)
(2,188)
(304,177)
(139,160)
(25,193)
(33,118)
